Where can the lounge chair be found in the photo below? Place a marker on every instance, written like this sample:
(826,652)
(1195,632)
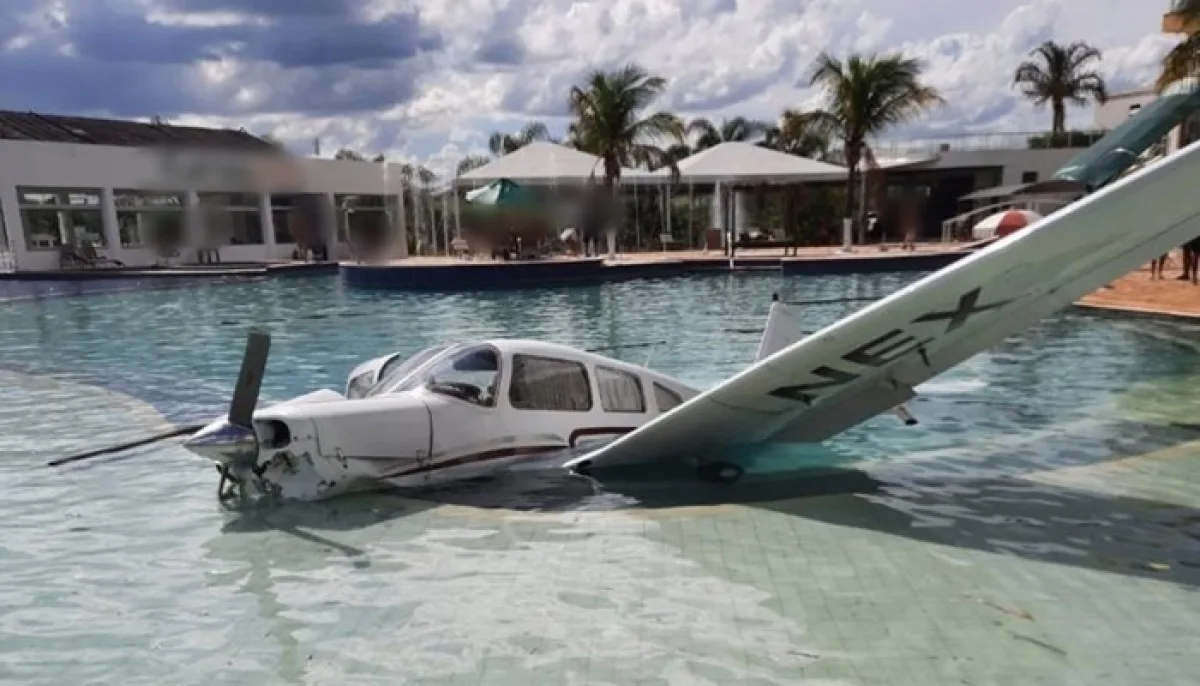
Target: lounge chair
(87,250)
(69,257)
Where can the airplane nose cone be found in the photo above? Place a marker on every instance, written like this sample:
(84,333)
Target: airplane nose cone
(224,443)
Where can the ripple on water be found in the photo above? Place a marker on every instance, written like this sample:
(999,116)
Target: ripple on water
(1026,490)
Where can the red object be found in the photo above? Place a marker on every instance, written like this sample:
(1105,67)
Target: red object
(1011,222)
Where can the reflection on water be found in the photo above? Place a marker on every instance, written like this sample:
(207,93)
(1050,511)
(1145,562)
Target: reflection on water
(1039,526)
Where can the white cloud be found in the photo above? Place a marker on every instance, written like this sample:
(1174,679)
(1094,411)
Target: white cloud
(724,58)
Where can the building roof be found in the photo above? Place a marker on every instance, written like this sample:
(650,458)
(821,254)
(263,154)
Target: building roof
(1034,188)
(53,128)
(541,162)
(736,162)
(538,162)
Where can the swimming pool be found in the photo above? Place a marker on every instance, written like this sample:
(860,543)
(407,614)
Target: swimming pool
(1039,526)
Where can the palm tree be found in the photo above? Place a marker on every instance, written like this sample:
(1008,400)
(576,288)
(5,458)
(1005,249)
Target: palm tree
(470,162)
(1058,73)
(1184,59)
(609,124)
(504,143)
(738,129)
(799,133)
(865,95)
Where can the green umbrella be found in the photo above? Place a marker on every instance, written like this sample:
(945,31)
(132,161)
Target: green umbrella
(501,192)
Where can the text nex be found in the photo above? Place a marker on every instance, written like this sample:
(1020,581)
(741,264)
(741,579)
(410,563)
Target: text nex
(886,349)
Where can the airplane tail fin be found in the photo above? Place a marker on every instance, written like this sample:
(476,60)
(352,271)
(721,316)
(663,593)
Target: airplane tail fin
(782,329)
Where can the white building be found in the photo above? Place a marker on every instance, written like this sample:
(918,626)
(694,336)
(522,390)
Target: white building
(66,180)
(1121,106)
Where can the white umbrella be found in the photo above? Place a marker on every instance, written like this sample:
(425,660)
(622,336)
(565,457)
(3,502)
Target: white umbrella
(1003,223)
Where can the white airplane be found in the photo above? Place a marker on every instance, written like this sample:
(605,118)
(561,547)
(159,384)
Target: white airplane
(457,411)
(449,412)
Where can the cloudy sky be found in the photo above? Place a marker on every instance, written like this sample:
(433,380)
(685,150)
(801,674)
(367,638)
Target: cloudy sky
(430,79)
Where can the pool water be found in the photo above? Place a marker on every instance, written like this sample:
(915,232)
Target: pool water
(1041,524)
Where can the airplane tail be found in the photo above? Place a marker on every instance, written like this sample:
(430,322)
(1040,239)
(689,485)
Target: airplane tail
(782,329)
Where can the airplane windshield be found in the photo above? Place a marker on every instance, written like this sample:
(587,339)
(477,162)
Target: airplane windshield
(470,375)
(393,376)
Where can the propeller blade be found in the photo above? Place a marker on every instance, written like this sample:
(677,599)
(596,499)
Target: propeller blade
(128,445)
(249,382)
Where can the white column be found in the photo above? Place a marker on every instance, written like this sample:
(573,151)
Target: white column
(741,201)
(13,226)
(268,226)
(112,229)
(716,210)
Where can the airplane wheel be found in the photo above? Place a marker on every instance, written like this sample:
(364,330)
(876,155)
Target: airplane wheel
(719,472)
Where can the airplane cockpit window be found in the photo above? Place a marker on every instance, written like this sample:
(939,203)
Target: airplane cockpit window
(665,398)
(471,375)
(620,391)
(395,371)
(545,383)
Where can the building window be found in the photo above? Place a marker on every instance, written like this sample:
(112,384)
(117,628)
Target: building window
(1029,177)
(53,217)
(544,383)
(282,207)
(143,213)
(362,219)
(665,398)
(619,391)
(231,218)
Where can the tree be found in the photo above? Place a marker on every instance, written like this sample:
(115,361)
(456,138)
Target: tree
(1184,59)
(470,162)
(864,96)
(799,133)
(501,144)
(608,121)
(1060,73)
(348,154)
(738,129)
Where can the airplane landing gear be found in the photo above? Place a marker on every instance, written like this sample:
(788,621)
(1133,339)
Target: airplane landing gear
(719,472)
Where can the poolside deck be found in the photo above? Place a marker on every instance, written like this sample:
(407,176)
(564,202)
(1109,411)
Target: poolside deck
(448,273)
(182,271)
(1137,293)
(769,255)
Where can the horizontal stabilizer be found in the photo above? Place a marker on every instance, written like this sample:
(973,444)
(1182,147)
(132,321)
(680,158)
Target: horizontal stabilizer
(782,329)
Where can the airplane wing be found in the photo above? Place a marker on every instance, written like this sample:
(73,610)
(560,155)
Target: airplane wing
(871,361)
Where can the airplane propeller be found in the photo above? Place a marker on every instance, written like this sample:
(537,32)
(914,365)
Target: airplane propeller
(230,439)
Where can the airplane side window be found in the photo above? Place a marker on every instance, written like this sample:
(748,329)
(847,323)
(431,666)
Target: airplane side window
(619,391)
(544,383)
(665,398)
(471,375)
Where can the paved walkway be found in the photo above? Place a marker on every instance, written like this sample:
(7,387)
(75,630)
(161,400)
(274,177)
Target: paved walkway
(829,252)
(1137,292)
